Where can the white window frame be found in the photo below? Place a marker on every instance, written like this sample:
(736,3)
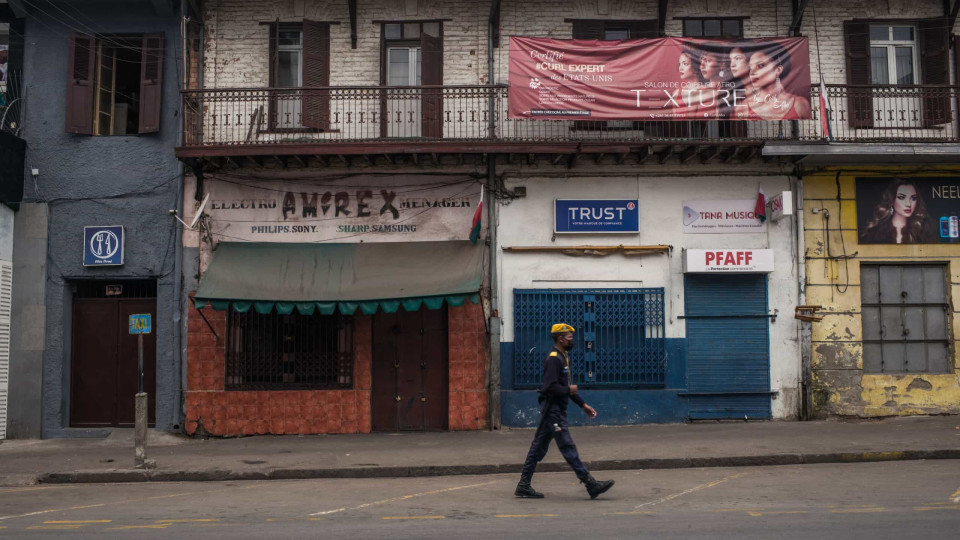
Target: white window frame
(413,64)
(891,45)
(292,48)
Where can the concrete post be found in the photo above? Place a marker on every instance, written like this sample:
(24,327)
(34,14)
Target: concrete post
(140,431)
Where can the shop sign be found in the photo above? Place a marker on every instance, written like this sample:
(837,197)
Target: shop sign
(596,216)
(720,217)
(727,261)
(908,210)
(781,205)
(103,245)
(401,208)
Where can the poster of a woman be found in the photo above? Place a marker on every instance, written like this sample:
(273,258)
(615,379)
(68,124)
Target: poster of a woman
(899,217)
(771,100)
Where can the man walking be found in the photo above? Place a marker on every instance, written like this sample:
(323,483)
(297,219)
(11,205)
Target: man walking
(555,393)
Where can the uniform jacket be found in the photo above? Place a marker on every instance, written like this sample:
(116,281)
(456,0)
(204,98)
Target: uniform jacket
(556,380)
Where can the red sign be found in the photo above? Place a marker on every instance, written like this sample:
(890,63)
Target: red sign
(727,260)
(660,79)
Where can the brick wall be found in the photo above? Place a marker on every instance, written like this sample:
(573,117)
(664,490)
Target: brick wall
(469,358)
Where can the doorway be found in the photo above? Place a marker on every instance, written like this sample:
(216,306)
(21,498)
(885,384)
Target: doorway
(104,364)
(410,370)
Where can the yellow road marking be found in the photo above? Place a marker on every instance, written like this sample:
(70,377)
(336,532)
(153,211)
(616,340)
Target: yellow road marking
(956,496)
(23,489)
(926,508)
(525,515)
(858,510)
(402,498)
(634,513)
(758,514)
(272,520)
(187,520)
(81,521)
(691,490)
(55,527)
(414,517)
(127,527)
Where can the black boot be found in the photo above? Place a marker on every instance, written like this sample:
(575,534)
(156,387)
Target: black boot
(595,488)
(525,490)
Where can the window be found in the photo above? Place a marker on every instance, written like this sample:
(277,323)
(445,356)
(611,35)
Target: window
(114,84)
(893,54)
(290,59)
(412,55)
(619,338)
(713,28)
(299,70)
(904,318)
(288,352)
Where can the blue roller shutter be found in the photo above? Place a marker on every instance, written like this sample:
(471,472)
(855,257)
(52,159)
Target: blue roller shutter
(728,346)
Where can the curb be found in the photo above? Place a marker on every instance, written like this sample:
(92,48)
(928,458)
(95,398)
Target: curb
(218,475)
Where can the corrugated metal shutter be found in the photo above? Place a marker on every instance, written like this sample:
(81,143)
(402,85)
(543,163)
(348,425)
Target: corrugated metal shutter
(728,346)
(6,298)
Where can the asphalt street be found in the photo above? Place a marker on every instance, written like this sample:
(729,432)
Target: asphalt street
(905,499)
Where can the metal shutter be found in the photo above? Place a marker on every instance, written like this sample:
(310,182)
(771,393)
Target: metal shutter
(6,293)
(728,346)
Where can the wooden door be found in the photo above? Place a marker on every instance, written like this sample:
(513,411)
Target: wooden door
(104,371)
(410,371)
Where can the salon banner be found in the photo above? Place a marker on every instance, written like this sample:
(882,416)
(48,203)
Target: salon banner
(908,210)
(660,79)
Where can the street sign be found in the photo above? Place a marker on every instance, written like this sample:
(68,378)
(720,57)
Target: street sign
(140,323)
(103,246)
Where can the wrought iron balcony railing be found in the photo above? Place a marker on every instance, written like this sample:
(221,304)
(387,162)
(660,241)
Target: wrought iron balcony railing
(258,117)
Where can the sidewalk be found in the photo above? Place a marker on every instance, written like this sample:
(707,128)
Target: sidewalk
(449,453)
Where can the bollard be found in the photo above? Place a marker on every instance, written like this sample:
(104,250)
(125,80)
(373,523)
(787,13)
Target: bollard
(140,431)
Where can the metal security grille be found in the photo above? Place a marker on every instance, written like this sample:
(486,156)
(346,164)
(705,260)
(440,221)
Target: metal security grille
(288,352)
(619,338)
(904,316)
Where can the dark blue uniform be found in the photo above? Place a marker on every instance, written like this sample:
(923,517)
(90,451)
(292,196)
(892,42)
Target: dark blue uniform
(554,397)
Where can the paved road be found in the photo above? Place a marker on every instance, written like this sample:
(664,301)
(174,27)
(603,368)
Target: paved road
(909,499)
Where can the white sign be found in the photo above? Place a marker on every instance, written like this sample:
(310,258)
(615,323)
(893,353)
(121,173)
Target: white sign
(727,261)
(719,217)
(401,208)
(781,205)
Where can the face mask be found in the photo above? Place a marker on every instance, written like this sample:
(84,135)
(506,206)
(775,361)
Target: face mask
(569,345)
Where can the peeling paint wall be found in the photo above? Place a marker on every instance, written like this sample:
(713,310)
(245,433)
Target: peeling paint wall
(840,387)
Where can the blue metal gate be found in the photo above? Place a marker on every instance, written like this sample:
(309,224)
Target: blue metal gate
(728,346)
(619,338)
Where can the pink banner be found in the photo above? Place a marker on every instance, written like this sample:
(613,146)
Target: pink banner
(660,79)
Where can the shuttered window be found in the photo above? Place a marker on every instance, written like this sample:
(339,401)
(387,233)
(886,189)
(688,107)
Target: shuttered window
(114,84)
(904,318)
(299,71)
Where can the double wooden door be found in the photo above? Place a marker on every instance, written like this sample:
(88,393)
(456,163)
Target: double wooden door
(410,370)
(104,366)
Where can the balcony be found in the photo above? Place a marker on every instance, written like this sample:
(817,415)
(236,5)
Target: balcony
(300,123)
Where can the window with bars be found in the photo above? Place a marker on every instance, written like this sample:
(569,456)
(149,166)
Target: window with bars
(619,335)
(904,318)
(288,352)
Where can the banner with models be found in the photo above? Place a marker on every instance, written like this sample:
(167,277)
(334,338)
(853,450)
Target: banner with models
(908,210)
(660,79)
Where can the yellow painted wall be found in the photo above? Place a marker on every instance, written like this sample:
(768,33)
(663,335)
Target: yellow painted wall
(839,385)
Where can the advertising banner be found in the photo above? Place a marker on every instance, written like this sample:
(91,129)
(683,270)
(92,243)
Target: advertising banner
(908,210)
(400,208)
(711,261)
(596,216)
(660,79)
(718,217)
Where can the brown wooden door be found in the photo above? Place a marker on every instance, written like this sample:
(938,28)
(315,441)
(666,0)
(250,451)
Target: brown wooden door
(410,371)
(104,371)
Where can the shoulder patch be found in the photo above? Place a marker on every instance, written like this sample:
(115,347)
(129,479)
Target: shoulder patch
(553,354)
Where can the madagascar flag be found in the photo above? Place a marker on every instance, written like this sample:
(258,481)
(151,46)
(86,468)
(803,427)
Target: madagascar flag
(477,218)
(825,113)
(760,210)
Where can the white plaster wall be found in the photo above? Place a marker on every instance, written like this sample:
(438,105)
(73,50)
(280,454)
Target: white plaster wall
(529,222)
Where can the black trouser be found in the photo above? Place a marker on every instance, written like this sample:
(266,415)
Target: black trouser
(553,425)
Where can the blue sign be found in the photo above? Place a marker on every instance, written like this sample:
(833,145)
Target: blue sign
(140,323)
(596,216)
(103,246)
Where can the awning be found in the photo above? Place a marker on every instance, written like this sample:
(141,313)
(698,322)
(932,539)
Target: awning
(344,277)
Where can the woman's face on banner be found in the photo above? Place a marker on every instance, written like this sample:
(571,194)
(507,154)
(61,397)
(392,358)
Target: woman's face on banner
(763,72)
(710,66)
(905,203)
(739,67)
(686,66)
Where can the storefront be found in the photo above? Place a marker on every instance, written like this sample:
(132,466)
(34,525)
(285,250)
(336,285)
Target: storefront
(673,284)
(338,306)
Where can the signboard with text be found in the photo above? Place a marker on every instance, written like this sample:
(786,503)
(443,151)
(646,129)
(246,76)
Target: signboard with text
(103,245)
(727,261)
(596,216)
(781,205)
(723,216)
(140,323)
(908,210)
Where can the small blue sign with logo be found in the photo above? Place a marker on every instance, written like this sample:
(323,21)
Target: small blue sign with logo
(103,246)
(140,323)
(596,216)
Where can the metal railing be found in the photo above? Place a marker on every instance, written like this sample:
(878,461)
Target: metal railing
(362,114)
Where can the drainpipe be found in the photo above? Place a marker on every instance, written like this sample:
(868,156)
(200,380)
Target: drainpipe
(178,254)
(493,401)
(805,331)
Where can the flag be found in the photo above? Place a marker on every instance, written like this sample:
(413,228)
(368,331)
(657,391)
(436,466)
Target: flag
(825,112)
(477,219)
(760,210)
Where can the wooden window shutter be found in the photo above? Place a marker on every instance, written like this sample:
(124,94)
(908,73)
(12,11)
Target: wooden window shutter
(273,60)
(431,74)
(316,74)
(81,84)
(934,41)
(151,82)
(644,29)
(856,36)
(588,29)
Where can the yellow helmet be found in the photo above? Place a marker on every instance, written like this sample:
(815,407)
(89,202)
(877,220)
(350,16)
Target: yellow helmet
(560,328)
